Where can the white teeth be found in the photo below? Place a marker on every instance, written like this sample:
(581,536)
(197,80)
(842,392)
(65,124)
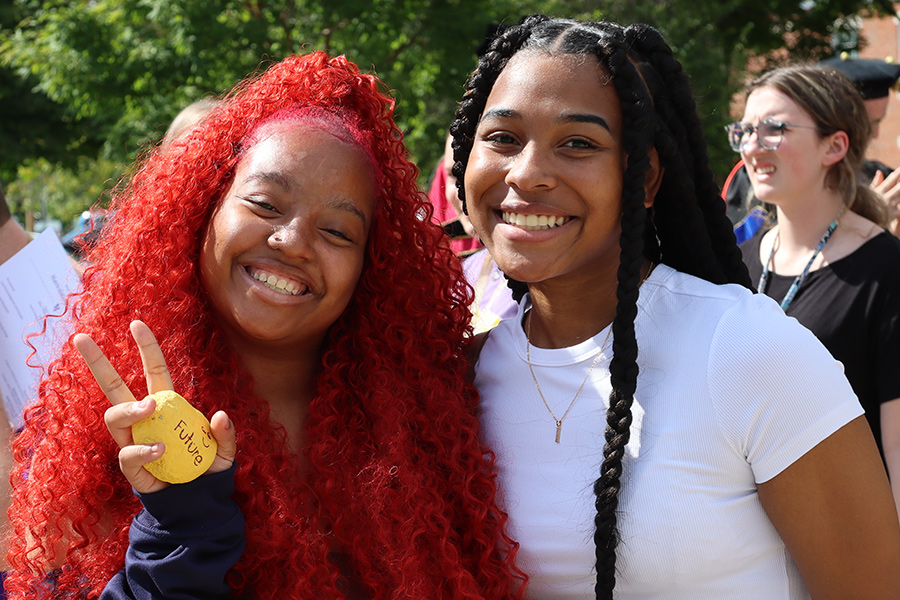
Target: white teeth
(279,285)
(533,222)
(765,170)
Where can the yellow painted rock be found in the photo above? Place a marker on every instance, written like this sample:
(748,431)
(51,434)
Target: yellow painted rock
(190,448)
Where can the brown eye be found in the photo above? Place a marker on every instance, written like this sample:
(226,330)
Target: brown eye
(501,138)
(580,144)
(338,234)
(260,204)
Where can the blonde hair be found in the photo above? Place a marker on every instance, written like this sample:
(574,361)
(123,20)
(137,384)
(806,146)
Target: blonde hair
(189,117)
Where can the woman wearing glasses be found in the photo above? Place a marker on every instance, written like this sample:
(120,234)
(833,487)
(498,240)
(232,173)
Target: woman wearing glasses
(828,259)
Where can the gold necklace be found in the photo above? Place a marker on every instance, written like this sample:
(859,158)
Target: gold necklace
(559,421)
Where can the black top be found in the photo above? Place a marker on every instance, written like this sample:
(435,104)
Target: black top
(853,306)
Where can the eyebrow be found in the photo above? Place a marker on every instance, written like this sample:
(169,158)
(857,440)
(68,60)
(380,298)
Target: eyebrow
(271,176)
(508,113)
(341,204)
(349,207)
(501,113)
(586,118)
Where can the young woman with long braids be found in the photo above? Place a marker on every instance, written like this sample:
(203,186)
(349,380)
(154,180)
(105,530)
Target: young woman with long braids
(724,468)
(828,260)
(278,255)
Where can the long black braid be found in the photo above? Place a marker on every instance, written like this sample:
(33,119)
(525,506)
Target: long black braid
(698,204)
(638,126)
(686,229)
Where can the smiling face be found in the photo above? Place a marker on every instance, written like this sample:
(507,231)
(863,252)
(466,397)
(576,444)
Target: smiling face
(285,248)
(798,167)
(544,179)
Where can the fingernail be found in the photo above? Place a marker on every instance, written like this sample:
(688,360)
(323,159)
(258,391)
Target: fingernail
(143,403)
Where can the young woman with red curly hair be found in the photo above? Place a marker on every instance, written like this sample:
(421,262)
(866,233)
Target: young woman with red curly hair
(279,255)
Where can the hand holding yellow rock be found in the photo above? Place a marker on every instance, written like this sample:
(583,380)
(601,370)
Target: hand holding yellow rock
(190,448)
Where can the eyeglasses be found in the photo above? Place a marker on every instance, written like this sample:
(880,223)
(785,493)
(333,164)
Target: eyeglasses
(769,133)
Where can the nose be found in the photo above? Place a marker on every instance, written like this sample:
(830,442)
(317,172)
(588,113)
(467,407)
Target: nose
(292,238)
(531,169)
(746,147)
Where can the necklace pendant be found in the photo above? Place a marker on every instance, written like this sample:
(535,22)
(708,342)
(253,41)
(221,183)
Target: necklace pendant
(558,430)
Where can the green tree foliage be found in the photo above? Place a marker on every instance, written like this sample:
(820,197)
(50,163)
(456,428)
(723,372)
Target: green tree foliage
(99,80)
(31,124)
(119,70)
(47,191)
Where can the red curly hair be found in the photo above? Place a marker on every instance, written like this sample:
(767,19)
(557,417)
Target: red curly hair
(397,473)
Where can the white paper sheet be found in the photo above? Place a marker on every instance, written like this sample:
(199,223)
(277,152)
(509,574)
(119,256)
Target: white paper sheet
(33,283)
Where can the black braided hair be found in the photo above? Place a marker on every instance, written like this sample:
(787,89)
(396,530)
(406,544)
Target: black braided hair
(694,201)
(638,125)
(686,228)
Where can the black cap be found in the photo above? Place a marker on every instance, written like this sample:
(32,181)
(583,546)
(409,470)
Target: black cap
(873,78)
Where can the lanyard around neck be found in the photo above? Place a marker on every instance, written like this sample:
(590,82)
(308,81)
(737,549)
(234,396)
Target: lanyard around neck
(798,281)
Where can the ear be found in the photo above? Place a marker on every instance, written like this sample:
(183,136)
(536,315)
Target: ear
(836,148)
(653,179)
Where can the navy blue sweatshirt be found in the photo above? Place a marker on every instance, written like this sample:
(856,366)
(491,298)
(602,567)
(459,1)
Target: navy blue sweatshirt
(182,543)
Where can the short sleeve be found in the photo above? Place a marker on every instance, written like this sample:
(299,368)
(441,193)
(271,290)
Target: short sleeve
(776,390)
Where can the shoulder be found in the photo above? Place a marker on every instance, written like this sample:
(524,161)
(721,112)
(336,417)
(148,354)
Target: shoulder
(676,308)
(854,233)
(875,263)
(884,243)
(727,321)
(668,289)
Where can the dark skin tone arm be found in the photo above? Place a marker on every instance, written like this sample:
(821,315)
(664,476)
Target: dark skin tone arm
(834,510)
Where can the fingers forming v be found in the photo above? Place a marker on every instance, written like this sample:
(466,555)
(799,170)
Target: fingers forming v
(104,373)
(155,370)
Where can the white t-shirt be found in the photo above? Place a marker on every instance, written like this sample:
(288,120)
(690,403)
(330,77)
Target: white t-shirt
(730,393)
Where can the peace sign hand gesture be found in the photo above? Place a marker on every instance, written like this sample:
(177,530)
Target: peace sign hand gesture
(125,411)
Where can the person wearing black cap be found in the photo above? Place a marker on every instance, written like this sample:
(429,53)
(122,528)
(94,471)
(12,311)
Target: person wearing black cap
(873,79)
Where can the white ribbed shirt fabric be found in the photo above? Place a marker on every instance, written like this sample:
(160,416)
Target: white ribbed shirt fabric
(730,393)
